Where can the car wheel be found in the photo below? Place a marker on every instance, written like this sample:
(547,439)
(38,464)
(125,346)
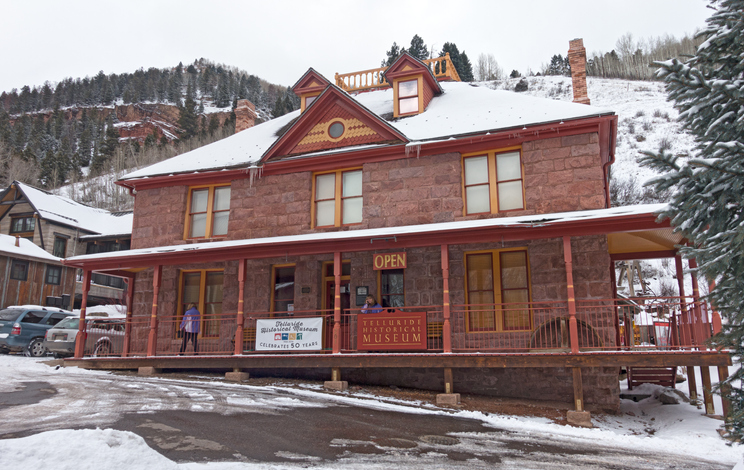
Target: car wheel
(103,349)
(36,348)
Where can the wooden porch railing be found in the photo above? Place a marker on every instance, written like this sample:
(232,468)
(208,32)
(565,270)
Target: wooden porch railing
(606,325)
(441,67)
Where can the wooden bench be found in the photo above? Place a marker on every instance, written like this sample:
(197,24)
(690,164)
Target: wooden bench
(664,376)
(434,329)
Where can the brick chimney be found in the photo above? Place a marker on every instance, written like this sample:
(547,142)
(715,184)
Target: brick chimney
(577,60)
(245,115)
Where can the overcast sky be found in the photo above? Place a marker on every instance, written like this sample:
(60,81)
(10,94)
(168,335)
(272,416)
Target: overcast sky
(278,40)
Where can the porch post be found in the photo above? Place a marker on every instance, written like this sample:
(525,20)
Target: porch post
(698,332)
(152,341)
(81,336)
(716,320)
(239,317)
(128,322)
(447,327)
(613,280)
(337,302)
(692,383)
(572,326)
(682,304)
(707,394)
(725,389)
(579,416)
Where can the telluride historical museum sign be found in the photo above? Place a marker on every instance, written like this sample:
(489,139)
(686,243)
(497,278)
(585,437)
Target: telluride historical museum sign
(392,331)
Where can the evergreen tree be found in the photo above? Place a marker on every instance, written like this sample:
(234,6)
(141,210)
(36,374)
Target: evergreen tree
(392,54)
(188,120)
(708,189)
(418,49)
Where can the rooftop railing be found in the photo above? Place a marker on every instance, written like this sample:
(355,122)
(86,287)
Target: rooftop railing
(441,67)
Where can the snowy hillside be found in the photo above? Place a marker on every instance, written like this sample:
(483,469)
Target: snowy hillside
(646,119)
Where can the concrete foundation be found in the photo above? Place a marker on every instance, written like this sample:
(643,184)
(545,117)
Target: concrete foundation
(237,376)
(581,419)
(148,371)
(338,385)
(448,399)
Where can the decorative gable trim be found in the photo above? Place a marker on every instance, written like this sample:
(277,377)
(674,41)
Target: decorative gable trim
(311,84)
(335,120)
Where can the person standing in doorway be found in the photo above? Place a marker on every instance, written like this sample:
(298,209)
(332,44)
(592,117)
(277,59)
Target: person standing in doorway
(371,305)
(190,328)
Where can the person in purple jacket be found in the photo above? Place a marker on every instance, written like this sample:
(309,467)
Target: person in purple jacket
(190,328)
(371,305)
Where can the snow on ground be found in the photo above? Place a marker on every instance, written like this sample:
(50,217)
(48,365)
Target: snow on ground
(646,426)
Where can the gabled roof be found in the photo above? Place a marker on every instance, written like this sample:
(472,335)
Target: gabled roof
(308,133)
(406,65)
(310,82)
(461,111)
(65,211)
(26,250)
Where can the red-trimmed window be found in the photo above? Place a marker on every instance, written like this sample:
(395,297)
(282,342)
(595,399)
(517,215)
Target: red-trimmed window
(498,290)
(408,97)
(337,198)
(493,182)
(208,212)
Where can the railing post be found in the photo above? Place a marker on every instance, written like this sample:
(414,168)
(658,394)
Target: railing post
(615,306)
(82,333)
(239,317)
(572,325)
(699,333)
(717,326)
(128,322)
(152,340)
(337,302)
(447,327)
(684,324)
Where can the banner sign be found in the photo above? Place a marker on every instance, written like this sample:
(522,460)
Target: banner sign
(289,334)
(394,331)
(389,261)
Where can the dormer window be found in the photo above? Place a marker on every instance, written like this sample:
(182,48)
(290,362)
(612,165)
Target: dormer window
(308,100)
(408,101)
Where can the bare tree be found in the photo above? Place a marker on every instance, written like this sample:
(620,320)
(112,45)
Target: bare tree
(487,68)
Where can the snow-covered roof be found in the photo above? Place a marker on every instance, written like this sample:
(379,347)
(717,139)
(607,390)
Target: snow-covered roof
(520,222)
(68,212)
(463,109)
(26,249)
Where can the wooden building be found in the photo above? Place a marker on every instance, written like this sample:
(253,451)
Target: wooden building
(63,228)
(482,217)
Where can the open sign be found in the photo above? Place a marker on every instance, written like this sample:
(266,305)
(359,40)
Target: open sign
(389,261)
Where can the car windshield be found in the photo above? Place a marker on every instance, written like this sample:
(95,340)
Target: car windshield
(70,323)
(10,314)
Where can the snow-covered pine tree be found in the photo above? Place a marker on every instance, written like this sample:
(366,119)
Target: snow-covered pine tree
(708,188)
(418,49)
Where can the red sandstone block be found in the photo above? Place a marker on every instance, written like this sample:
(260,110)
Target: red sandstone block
(547,143)
(531,156)
(587,149)
(580,139)
(392,185)
(429,206)
(592,202)
(556,153)
(583,174)
(583,161)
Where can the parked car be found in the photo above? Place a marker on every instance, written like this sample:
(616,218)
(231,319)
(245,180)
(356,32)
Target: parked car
(105,337)
(22,328)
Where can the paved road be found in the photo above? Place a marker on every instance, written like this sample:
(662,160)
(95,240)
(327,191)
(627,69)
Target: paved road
(196,420)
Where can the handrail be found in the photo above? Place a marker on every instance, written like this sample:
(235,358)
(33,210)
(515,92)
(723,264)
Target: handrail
(441,67)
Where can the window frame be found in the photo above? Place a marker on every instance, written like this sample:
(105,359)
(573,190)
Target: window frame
(274,268)
(419,94)
(49,269)
(204,319)
(62,241)
(210,212)
(493,181)
(28,225)
(19,262)
(338,197)
(498,293)
(382,297)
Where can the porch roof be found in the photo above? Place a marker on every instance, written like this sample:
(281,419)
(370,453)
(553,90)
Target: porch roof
(638,218)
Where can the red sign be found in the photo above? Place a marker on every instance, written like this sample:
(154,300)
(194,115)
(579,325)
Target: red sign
(389,261)
(391,331)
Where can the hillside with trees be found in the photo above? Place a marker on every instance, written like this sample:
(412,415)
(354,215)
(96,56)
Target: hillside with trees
(58,133)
